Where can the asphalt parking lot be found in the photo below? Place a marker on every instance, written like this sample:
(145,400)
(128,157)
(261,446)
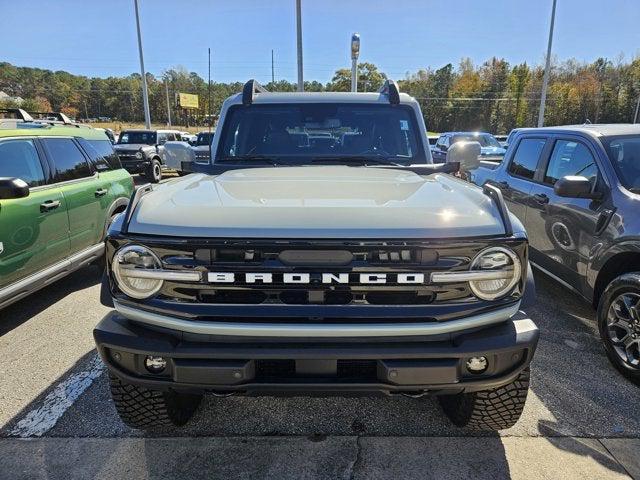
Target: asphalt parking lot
(55,408)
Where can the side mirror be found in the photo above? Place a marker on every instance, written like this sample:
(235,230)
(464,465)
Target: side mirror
(575,187)
(467,154)
(13,188)
(178,154)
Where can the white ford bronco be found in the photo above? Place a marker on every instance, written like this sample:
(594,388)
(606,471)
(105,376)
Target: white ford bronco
(321,252)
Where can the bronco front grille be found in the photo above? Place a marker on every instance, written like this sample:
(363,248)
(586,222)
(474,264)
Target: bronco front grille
(361,258)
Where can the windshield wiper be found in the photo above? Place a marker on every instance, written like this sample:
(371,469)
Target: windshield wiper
(251,158)
(357,159)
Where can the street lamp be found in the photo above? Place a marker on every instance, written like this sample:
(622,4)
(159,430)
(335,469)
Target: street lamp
(547,68)
(145,93)
(355,52)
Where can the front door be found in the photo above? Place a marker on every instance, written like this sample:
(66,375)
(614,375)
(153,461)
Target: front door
(516,182)
(562,231)
(34,231)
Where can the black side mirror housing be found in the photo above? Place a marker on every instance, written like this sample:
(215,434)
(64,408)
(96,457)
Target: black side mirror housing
(573,186)
(13,188)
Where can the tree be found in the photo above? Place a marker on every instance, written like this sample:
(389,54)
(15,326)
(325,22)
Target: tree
(369,79)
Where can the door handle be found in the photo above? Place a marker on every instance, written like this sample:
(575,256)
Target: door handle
(541,198)
(101,192)
(49,205)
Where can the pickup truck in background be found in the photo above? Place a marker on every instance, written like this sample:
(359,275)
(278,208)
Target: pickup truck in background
(576,189)
(490,148)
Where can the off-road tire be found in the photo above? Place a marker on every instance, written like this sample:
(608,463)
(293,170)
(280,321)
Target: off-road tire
(629,283)
(146,409)
(495,409)
(154,171)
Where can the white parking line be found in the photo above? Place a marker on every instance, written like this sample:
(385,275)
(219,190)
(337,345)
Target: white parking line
(43,418)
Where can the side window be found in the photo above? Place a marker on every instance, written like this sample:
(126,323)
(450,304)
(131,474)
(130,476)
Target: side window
(19,158)
(101,154)
(162,138)
(570,158)
(525,159)
(69,161)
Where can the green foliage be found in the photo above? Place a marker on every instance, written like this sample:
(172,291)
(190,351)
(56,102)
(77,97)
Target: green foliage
(493,96)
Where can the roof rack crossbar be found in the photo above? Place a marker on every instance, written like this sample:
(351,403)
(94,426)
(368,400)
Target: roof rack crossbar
(392,91)
(250,89)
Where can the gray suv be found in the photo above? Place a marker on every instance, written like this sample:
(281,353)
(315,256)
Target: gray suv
(323,253)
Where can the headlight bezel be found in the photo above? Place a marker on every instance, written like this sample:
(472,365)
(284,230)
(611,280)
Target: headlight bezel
(504,291)
(123,282)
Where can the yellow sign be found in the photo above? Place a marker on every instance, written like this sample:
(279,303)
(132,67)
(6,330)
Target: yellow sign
(187,100)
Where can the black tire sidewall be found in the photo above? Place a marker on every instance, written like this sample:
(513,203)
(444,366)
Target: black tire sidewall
(627,283)
(151,176)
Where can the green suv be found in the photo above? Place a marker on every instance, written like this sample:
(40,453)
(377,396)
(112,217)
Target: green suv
(60,187)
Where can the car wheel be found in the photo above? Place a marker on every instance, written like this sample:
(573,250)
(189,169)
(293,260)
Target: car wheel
(154,171)
(490,410)
(142,408)
(619,324)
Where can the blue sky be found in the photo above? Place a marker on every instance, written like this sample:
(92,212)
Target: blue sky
(97,38)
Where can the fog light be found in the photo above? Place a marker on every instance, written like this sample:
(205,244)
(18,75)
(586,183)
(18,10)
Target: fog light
(477,364)
(155,364)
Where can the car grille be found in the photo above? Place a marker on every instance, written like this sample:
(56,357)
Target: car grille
(384,259)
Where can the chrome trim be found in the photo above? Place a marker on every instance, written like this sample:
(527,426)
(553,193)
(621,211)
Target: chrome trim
(161,274)
(241,329)
(475,276)
(27,285)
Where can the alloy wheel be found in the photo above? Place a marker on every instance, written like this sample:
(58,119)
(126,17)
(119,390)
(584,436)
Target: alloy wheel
(623,327)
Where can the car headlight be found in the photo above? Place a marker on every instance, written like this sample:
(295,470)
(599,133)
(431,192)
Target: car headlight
(133,268)
(508,270)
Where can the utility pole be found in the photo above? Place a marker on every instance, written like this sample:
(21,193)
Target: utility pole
(299,35)
(355,52)
(166,89)
(273,75)
(547,67)
(145,93)
(210,119)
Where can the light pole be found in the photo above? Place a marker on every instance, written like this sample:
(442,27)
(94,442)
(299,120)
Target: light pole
(635,115)
(145,93)
(299,41)
(355,52)
(166,89)
(547,67)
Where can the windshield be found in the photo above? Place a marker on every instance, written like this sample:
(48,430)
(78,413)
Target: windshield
(484,139)
(624,152)
(148,138)
(204,138)
(322,131)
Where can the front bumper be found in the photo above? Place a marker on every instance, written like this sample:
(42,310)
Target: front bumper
(201,363)
(134,165)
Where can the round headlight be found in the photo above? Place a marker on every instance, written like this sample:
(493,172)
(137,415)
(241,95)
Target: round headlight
(127,265)
(138,154)
(499,259)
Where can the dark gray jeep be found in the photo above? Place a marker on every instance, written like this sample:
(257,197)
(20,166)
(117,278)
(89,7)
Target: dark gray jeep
(324,253)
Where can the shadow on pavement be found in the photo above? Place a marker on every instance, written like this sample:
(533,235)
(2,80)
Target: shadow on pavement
(17,313)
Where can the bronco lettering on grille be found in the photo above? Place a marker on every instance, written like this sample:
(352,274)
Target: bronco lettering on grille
(324,278)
